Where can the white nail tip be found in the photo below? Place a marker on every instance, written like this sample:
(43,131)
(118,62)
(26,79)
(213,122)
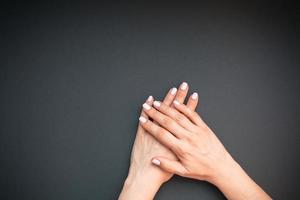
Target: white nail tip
(156,103)
(194,95)
(156,162)
(146,106)
(183,86)
(173,91)
(150,98)
(176,102)
(142,119)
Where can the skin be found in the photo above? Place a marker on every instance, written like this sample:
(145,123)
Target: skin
(197,154)
(200,153)
(144,179)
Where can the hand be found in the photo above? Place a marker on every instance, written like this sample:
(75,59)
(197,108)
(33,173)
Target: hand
(200,153)
(144,179)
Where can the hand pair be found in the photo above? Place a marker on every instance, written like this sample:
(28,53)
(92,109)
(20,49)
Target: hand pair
(178,141)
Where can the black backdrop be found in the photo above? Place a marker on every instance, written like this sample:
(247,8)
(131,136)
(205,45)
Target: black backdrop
(73,78)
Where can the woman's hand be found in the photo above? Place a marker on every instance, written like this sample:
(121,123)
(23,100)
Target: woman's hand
(144,179)
(200,153)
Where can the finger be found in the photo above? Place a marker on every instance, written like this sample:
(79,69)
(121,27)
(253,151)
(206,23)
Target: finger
(182,92)
(193,101)
(175,115)
(159,133)
(165,121)
(149,101)
(170,96)
(172,166)
(192,115)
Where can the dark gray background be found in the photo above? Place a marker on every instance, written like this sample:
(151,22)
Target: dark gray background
(73,78)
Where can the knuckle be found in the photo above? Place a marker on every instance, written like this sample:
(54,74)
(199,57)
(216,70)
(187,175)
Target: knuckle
(166,121)
(187,110)
(190,112)
(203,129)
(179,117)
(190,138)
(193,140)
(195,115)
(180,150)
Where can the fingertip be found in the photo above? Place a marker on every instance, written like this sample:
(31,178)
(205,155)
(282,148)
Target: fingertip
(156,104)
(155,161)
(182,92)
(170,96)
(150,99)
(195,96)
(146,106)
(193,101)
(142,119)
(173,91)
(183,86)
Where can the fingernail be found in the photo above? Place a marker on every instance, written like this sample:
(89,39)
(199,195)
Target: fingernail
(142,119)
(146,106)
(150,98)
(173,91)
(176,102)
(156,103)
(183,86)
(156,162)
(194,95)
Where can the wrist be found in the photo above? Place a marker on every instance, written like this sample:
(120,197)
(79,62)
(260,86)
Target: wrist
(143,181)
(139,188)
(227,170)
(234,182)
(142,184)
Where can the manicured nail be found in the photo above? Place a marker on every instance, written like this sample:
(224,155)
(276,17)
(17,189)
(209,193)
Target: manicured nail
(194,95)
(156,162)
(150,98)
(183,86)
(176,102)
(146,106)
(156,103)
(173,91)
(142,119)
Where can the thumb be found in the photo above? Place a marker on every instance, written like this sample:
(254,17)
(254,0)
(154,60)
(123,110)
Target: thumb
(172,166)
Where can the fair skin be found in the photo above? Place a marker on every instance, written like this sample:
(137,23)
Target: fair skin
(144,179)
(199,154)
